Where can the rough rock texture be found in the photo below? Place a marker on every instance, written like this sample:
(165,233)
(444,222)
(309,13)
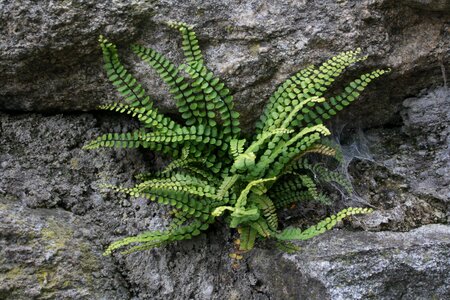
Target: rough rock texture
(382,265)
(432,5)
(48,54)
(404,170)
(49,254)
(55,221)
(50,59)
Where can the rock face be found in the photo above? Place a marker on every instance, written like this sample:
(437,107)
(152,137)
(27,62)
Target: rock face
(382,265)
(49,254)
(407,173)
(49,56)
(55,221)
(49,60)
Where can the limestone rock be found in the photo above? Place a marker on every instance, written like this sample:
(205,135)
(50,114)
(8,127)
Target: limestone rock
(432,5)
(50,254)
(49,58)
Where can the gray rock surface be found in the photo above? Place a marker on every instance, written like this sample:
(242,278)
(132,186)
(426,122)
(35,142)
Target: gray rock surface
(432,5)
(361,265)
(407,176)
(51,254)
(49,58)
(55,222)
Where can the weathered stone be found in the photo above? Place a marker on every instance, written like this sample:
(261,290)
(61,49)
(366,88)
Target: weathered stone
(407,172)
(50,60)
(43,167)
(52,254)
(433,5)
(55,221)
(360,265)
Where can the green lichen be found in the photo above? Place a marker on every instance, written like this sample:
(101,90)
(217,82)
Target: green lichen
(254,49)
(56,235)
(12,274)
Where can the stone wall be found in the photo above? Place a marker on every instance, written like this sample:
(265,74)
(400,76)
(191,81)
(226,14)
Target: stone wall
(55,221)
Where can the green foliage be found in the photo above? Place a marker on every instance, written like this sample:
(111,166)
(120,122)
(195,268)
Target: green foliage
(215,173)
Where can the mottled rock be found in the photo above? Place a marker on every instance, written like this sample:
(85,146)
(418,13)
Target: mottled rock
(50,60)
(427,123)
(52,254)
(360,265)
(433,5)
(52,206)
(403,170)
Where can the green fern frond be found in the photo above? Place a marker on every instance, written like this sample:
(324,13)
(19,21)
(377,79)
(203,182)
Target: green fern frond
(211,178)
(321,173)
(181,200)
(247,237)
(191,49)
(311,82)
(182,183)
(288,182)
(185,134)
(295,190)
(328,109)
(328,176)
(218,95)
(118,140)
(290,197)
(182,163)
(242,200)
(264,137)
(321,227)
(158,237)
(179,87)
(261,227)
(283,96)
(274,160)
(129,88)
(310,186)
(322,150)
(268,209)
(236,147)
(287,247)
(142,247)
(124,108)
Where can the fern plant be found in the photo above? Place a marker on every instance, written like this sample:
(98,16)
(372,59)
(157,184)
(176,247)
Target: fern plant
(215,172)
